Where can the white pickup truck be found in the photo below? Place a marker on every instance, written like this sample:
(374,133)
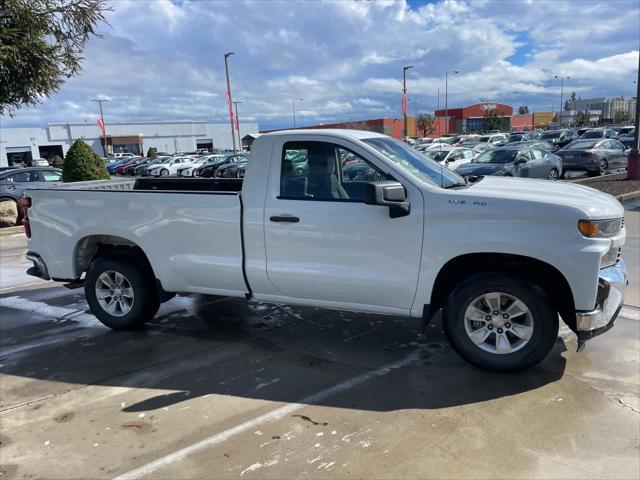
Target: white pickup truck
(502,258)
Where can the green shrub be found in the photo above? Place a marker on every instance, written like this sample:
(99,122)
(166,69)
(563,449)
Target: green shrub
(58,161)
(152,152)
(82,163)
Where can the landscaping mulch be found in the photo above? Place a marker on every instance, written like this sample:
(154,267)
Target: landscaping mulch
(615,187)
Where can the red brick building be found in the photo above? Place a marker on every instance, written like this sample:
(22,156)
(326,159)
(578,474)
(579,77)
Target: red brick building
(472,118)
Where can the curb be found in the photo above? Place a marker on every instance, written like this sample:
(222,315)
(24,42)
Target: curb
(628,196)
(11,230)
(609,176)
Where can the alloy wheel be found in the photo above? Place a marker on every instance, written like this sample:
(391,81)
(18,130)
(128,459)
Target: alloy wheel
(498,323)
(114,293)
(603,167)
(553,174)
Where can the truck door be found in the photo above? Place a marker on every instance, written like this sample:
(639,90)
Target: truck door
(324,243)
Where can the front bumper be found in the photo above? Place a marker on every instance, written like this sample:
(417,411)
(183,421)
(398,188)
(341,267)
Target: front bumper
(610,299)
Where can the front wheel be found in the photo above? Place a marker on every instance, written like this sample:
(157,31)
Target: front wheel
(164,172)
(554,174)
(500,321)
(120,292)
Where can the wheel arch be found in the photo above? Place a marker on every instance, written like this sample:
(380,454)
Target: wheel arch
(547,276)
(91,246)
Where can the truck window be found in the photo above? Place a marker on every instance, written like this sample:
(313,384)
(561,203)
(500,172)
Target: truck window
(324,171)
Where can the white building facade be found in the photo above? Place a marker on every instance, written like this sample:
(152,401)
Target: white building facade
(19,145)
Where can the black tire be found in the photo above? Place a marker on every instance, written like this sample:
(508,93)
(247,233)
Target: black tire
(146,300)
(164,172)
(554,174)
(545,321)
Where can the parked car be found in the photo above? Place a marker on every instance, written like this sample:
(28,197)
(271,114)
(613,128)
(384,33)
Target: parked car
(540,144)
(559,138)
(492,138)
(14,182)
(581,130)
(480,147)
(594,156)
(111,168)
(171,166)
(514,161)
(452,158)
(120,169)
(626,131)
(627,140)
(594,133)
(189,170)
(130,168)
(39,162)
(520,137)
(232,170)
(502,259)
(123,155)
(208,171)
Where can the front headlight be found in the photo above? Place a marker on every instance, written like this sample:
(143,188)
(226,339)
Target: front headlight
(600,228)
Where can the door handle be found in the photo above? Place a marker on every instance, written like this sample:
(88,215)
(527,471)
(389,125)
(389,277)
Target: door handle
(284,219)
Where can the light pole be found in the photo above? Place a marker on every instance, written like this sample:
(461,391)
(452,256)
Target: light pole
(446,96)
(562,79)
(633,169)
(293,108)
(404,98)
(103,140)
(235,104)
(230,100)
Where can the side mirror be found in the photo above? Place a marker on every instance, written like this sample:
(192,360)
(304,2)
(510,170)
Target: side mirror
(388,193)
(520,160)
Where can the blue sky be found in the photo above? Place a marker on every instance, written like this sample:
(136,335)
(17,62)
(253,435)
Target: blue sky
(163,60)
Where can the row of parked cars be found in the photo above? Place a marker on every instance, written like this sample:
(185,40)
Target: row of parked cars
(219,165)
(549,154)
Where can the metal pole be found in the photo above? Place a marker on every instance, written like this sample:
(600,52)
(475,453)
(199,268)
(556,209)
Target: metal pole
(226,70)
(293,107)
(561,94)
(103,140)
(238,123)
(438,109)
(404,96)
(633,169)
(446,99)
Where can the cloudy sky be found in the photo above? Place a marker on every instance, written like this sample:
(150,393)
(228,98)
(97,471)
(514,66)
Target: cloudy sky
(163,60)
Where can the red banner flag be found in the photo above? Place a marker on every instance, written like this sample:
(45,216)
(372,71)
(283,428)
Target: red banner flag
(101,127)
(231,116)
(404,104)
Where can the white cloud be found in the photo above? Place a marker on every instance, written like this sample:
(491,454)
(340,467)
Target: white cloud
(164,60)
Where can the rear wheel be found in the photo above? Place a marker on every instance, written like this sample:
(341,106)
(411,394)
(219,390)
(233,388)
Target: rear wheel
(164,172)
(554,174)
(121,292)
(500,321)
(603,167)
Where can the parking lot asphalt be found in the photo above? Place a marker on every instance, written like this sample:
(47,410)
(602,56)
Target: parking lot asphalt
(218,388)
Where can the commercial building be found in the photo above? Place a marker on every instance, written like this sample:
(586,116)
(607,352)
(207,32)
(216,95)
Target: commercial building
(601,110)
(388,126)
(480,117)
(20,145)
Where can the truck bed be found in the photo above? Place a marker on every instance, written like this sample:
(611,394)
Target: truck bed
(171,184)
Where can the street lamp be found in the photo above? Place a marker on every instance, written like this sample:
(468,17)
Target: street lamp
(446,96)
(103,140)
(562,79)
(293,108)
(404,98)
(229,99)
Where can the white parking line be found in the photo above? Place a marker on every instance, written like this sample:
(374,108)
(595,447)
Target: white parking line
(630,313)
(271,416)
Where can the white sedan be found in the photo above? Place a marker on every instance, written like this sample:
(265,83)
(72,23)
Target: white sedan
(451,158)
(189,169)
(170,166)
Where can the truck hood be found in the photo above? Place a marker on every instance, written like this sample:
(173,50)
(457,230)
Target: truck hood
(593,203)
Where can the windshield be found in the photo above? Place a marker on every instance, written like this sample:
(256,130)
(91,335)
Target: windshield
(580,145)
(593,134)
(415,163)
(497,156)
(437,155)
(546,135)
(484,138)
(515,137)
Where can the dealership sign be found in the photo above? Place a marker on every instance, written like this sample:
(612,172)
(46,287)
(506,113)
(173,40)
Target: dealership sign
(489,106)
